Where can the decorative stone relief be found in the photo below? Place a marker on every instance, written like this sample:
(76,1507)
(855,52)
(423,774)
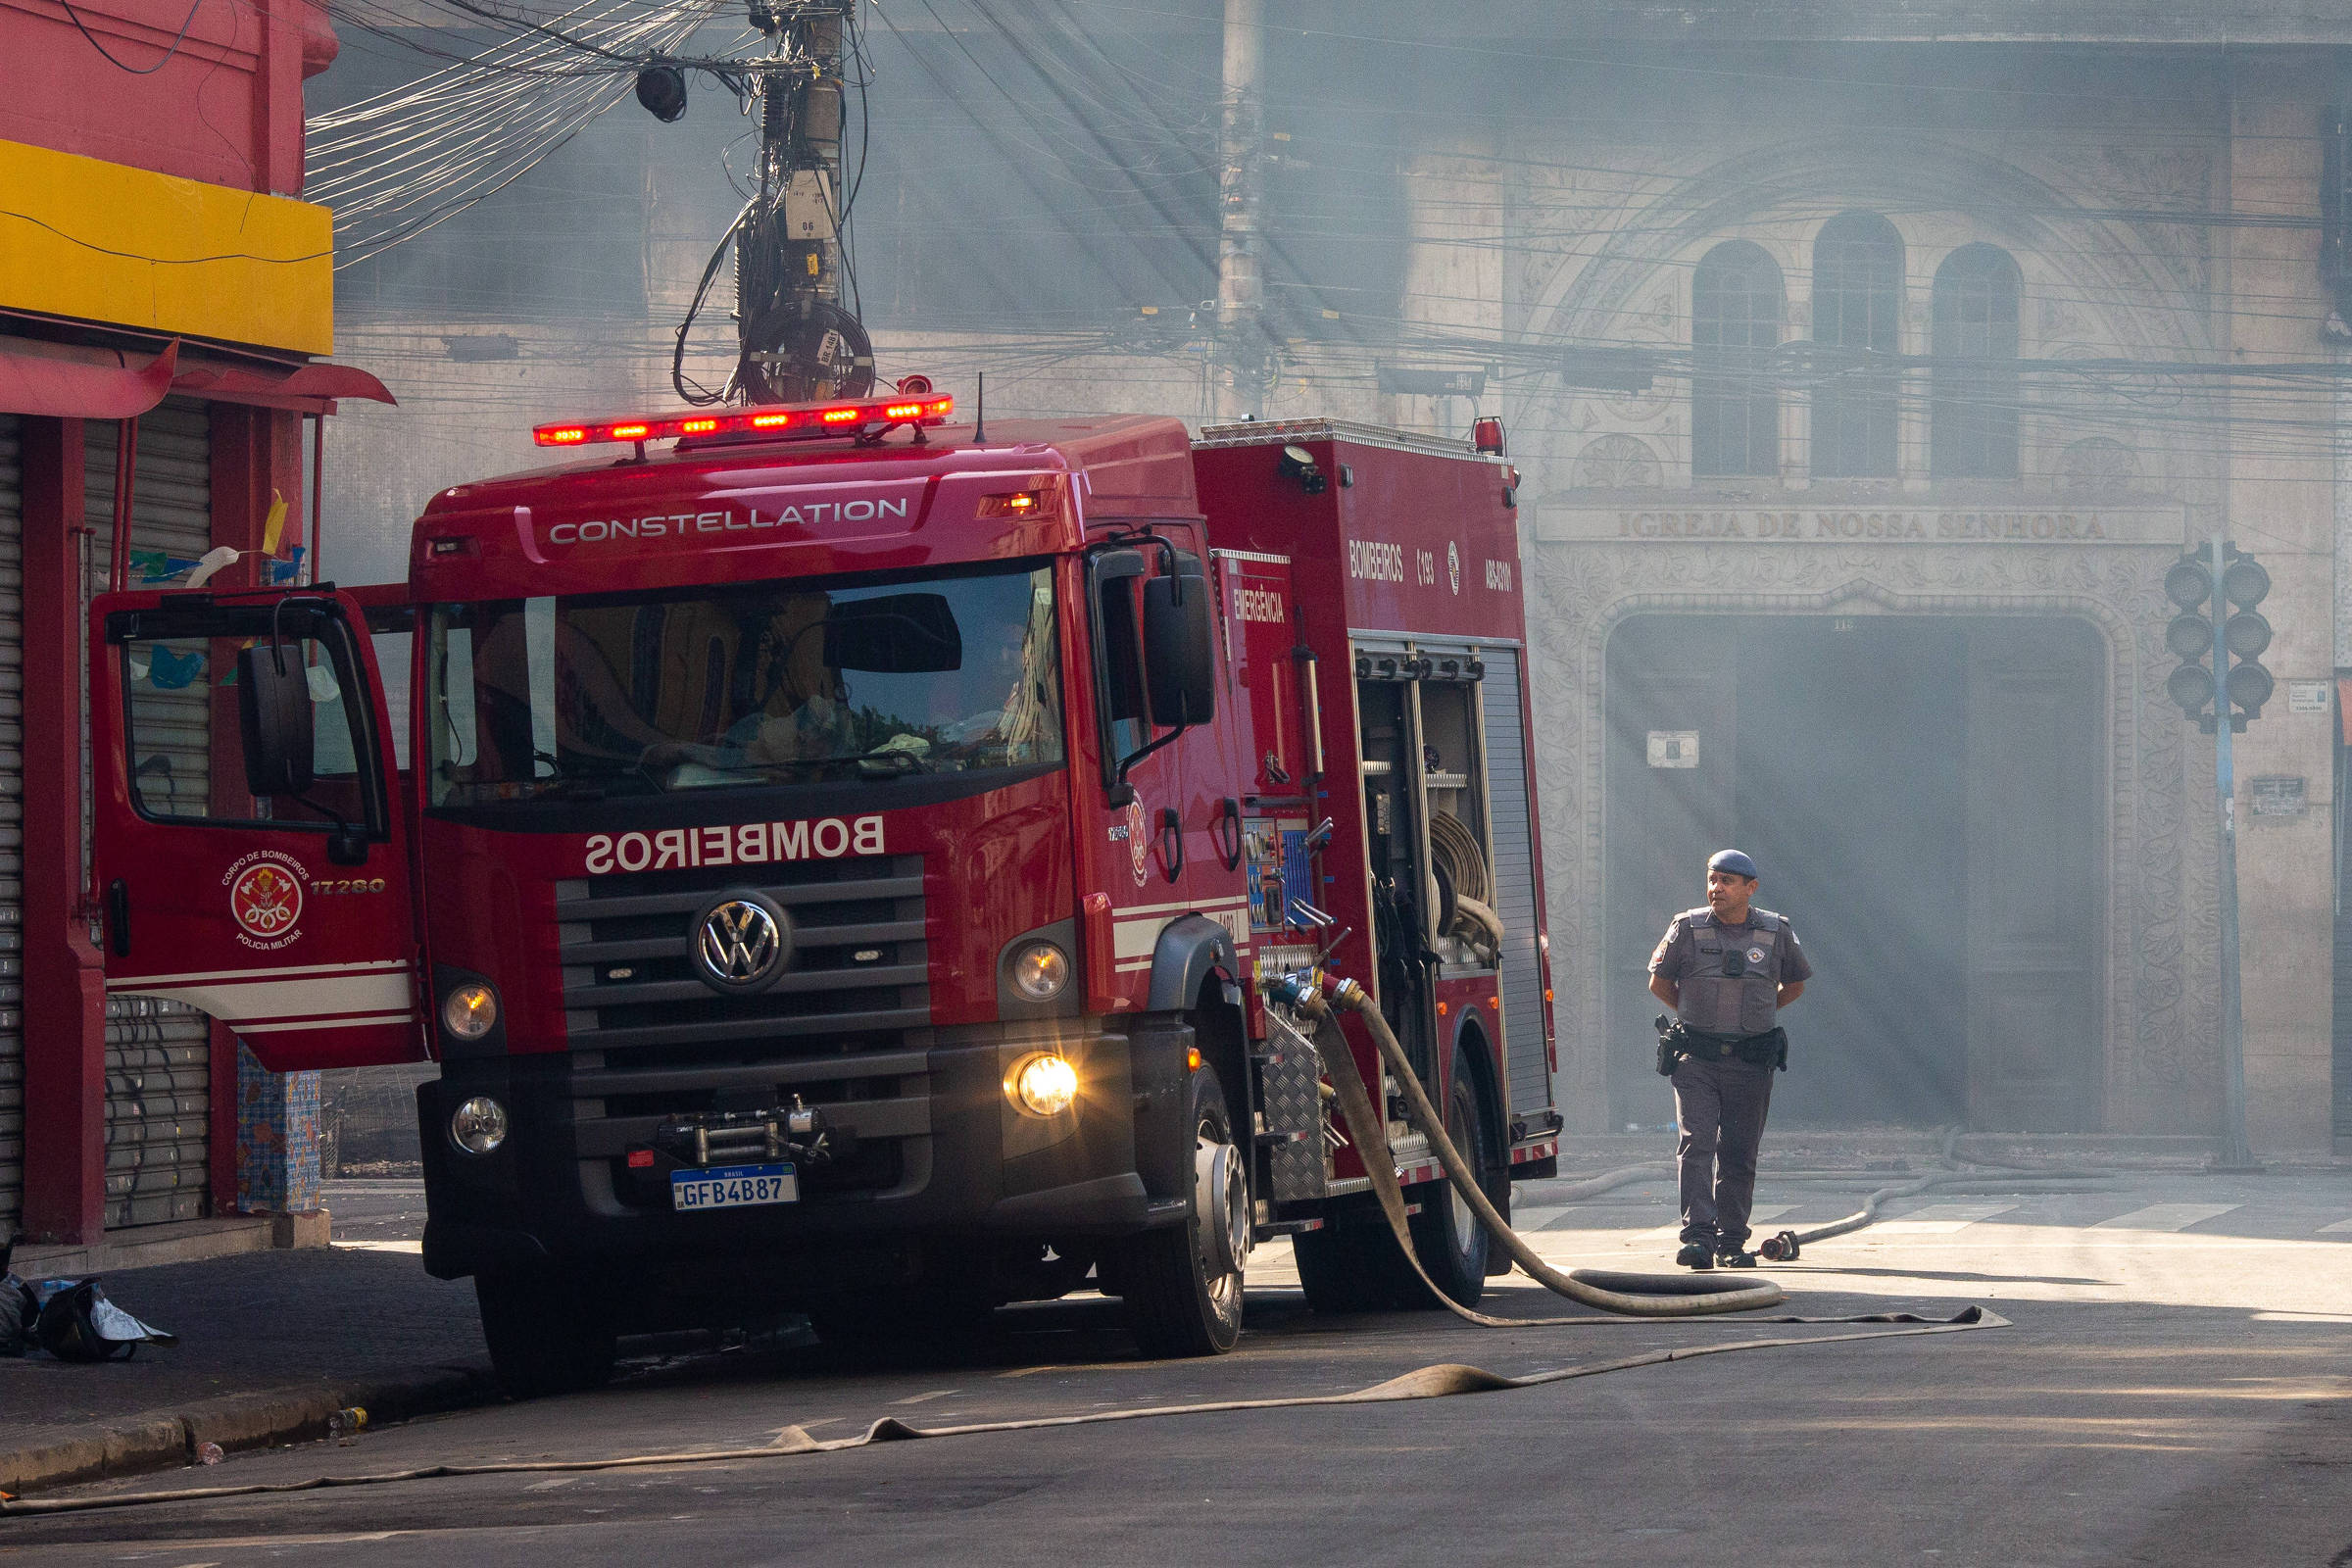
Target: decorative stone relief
(2097,465)
(1617,463)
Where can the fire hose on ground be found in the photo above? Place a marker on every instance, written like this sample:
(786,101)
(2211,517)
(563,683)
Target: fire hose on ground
(1631,1297)
(1787,1245)
(1632,1294)
(1608,1291)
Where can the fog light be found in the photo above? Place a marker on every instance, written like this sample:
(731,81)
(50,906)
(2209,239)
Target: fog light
(470,1011)
(1040,971)
(479,1125)
(1044,1086)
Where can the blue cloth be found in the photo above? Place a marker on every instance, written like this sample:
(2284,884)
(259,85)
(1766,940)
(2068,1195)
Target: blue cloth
(1735,861)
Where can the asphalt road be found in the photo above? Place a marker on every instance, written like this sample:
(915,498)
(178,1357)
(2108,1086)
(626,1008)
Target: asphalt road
(2171,1390)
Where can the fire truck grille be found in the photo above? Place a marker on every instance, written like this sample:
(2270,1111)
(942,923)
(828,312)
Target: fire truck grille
(857,978)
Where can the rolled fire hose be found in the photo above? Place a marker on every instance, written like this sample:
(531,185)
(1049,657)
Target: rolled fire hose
(1456,848)
(1609,1290)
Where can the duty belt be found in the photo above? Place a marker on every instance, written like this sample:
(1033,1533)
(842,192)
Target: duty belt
(1677,1039)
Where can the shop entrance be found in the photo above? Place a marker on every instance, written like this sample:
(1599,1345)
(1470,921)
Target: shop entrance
(1924,796)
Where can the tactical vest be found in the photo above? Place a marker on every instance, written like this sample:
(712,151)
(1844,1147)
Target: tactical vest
(1732,987)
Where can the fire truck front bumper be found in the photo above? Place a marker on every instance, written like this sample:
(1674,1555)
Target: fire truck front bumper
(925,1140)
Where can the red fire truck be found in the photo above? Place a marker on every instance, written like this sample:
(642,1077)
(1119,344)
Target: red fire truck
(836,849)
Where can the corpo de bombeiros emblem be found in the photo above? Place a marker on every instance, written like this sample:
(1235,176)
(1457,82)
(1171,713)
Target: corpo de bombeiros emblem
(265,898)
(1139,847)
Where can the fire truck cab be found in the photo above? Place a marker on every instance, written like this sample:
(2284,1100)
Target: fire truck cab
(830,861)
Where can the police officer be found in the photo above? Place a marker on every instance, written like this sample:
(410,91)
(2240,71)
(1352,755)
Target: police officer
(1726,970)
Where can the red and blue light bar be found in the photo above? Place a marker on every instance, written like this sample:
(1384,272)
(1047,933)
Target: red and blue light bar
(781,419)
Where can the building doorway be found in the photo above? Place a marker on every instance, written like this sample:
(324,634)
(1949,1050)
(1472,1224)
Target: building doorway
(1923,795)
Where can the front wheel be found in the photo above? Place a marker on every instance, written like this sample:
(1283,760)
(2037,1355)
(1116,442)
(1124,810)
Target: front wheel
(1183,1283)
(546,1331)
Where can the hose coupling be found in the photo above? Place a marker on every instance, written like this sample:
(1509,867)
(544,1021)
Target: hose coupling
(1299,989)
(1781,1248)
(1349,995)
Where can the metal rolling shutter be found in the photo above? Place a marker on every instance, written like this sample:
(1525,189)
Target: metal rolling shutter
(11,831)
(158,1054)
(1515,885)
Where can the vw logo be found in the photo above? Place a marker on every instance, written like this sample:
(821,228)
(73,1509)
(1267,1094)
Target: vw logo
(741,945)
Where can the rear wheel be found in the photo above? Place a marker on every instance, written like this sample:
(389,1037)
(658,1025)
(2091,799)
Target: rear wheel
(1182,1285)
(547,1332)
(1447,1236)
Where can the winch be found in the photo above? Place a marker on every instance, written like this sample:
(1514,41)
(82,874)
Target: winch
(798,1132)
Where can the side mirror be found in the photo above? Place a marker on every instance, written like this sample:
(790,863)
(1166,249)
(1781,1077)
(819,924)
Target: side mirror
(1179,652)
(274,716)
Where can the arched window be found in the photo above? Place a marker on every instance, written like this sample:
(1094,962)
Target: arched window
(1735,307)
(1857,301)
(1973,435)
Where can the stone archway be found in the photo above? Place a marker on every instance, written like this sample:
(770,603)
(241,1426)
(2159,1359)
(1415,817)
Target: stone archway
(2155,969)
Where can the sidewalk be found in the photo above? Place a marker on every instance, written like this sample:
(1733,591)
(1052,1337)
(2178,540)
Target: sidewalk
(270,1344)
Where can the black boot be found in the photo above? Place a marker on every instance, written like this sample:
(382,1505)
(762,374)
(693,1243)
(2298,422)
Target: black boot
(1695,1255)
(1732,1257)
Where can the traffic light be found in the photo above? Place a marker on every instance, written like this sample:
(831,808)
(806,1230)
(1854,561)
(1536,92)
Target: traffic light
(2245,634)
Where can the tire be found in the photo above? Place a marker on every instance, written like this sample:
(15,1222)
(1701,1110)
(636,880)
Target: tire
(1178,1301)
(546,1333)
(1448,1236)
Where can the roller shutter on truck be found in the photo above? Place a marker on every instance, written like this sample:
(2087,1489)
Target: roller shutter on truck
(158,1052)
(12,830)
(1515,885)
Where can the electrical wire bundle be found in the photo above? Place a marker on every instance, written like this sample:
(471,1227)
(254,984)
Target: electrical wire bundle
(394,165)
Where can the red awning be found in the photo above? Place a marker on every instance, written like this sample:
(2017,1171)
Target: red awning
(310,388)
(61,388)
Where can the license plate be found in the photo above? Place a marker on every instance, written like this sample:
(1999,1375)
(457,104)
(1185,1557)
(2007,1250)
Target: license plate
(734,1186)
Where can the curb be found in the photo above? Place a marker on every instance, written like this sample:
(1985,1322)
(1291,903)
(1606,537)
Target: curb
(168,1440)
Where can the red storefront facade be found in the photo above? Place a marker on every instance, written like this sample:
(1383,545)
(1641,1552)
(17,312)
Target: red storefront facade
(166,314)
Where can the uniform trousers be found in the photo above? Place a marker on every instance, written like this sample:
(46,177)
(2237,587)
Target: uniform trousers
(1720,1106)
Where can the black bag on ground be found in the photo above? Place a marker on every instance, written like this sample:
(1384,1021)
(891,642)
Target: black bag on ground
(77,1323)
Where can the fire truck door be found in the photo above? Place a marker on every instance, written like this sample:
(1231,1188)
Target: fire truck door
(1281,757)
(1178,838)
(248,852)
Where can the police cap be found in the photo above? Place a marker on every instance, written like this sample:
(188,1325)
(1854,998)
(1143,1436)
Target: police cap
(1735,861)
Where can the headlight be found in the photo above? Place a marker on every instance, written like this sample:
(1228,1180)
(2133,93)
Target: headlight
(1040,971)
(470,1011)
(479,1125)
(1044,1086)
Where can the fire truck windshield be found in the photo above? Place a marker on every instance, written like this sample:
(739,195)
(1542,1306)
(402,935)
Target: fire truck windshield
(743,685)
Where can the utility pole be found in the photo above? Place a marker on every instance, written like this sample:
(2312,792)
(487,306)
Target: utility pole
(1241,200)
(2236,1152)
(799,339)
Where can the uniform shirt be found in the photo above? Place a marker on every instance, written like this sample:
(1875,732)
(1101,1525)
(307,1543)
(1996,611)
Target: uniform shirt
(1677,948)
(1723,1004)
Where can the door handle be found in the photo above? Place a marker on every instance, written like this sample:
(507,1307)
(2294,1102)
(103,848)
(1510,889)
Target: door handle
(1171,842)
(118,916)
(1229,820)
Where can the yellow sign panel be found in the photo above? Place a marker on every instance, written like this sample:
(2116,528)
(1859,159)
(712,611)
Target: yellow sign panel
(103,242)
